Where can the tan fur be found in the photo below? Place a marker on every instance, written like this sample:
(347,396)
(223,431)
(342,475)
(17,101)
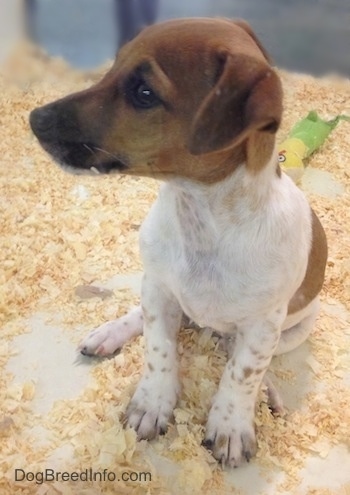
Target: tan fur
(314,277)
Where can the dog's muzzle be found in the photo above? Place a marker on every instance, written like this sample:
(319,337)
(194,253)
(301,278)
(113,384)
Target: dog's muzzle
(60,135)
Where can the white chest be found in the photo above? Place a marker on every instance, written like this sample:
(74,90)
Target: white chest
(218,269)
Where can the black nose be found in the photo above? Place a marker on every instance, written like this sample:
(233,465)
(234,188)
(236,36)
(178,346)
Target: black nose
(43,122)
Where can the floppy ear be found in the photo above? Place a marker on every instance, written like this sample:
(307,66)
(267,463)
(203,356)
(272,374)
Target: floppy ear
(247,28)
(247,99)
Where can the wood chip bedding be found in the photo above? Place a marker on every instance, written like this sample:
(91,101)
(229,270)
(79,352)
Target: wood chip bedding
(60,232)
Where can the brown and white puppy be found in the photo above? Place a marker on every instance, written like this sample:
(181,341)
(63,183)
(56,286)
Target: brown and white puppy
(231,241)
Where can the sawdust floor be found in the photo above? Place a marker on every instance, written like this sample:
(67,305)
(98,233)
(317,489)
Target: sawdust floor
(63,412)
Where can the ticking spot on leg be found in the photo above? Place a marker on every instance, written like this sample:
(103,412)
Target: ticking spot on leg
(221,441)
(150,366)
(247,372)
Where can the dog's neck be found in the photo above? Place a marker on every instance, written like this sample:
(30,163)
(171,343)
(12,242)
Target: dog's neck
(205,212)
(241,189)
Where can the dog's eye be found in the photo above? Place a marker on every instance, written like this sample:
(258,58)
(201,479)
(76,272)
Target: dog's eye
(142,96)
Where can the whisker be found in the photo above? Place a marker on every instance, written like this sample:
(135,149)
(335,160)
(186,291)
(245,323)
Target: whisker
(89,149)
(106,152)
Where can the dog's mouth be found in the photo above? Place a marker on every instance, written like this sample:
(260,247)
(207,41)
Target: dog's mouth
(84,158)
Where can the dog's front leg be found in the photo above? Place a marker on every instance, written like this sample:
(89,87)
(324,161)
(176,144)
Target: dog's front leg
(153,403)
(230,431)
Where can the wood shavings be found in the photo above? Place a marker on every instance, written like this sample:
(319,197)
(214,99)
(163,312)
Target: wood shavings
(60,231)
(314,364)
(192,478)
(5,424)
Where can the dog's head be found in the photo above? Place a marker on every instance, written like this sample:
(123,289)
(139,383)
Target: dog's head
(189,98)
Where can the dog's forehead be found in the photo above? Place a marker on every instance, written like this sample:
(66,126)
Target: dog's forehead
(186,34)
(190,42)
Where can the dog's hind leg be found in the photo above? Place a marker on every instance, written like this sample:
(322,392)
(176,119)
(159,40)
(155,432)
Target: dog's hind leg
(296,332)
(111,336)
(274,399)
(293,336)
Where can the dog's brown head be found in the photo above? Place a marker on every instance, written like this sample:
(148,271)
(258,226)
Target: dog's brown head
(192,98)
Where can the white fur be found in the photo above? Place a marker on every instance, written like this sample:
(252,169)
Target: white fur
(230,256)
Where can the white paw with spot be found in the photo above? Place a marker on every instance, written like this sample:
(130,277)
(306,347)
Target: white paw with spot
(151,408)
(230,432)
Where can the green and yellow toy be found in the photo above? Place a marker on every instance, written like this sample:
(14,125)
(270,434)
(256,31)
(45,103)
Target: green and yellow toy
(306,137)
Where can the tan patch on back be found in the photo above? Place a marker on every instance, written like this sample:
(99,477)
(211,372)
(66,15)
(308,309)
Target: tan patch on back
(314,277)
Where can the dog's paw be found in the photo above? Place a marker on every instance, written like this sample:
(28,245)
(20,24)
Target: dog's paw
(274,399)
(151,408)
(105,340)
(230,437)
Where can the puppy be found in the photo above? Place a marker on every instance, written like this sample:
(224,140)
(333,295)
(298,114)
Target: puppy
(231,241)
